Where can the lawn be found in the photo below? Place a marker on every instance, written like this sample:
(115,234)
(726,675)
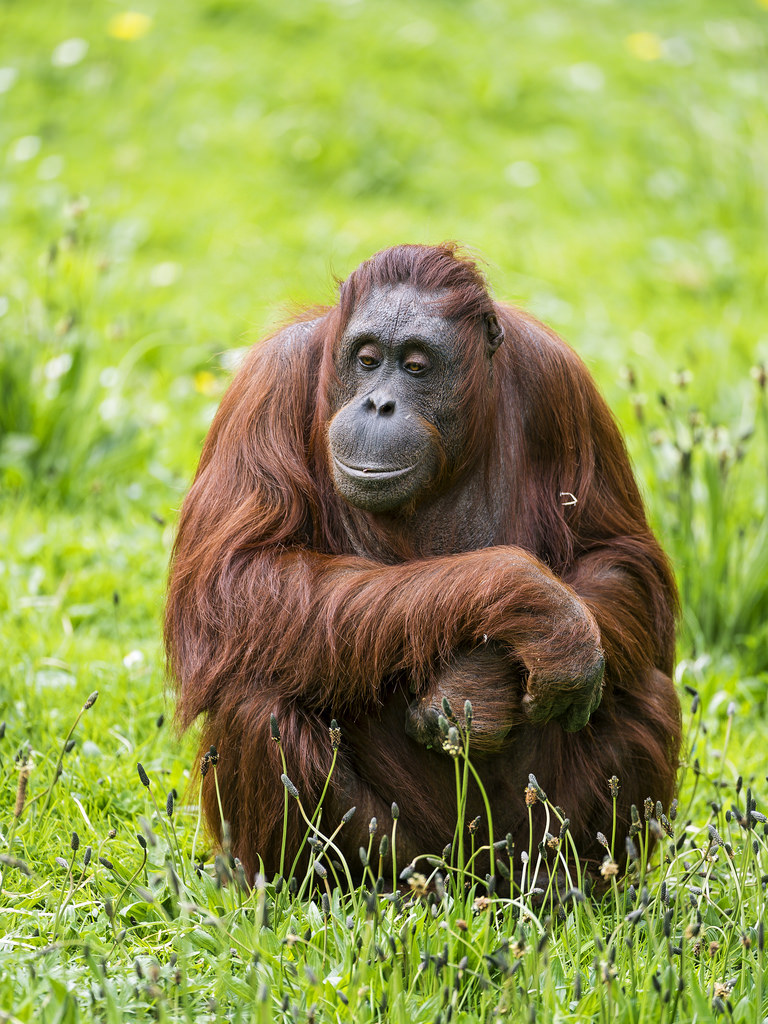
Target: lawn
(174,181)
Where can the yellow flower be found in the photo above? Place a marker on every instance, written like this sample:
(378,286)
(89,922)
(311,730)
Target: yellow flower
(644,45)
(205,383)
(129,25)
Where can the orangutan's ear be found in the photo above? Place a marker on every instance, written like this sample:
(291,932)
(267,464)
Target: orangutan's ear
(494,332)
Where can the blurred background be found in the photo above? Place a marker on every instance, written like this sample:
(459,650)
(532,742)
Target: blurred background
(176,178)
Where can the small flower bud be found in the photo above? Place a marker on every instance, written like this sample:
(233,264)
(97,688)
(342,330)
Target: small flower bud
(289,786)
(537,788)
(448,710)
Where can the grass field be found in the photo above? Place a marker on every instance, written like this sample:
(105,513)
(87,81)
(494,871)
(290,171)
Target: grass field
(173,181)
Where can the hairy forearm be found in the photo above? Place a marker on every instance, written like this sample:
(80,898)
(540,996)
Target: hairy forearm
(331,630)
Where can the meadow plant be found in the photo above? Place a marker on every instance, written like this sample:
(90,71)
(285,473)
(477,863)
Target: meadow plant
(671,927)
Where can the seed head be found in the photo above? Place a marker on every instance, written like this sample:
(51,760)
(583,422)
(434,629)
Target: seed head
(372,827)
(274,729)
(75,842)
(418,884)
(602,840)
(169,804)
(613,786)
(723,989)
(205,763)
(143,777)
(468,713)
(609,868)
(347,817)
(289,786)
(395,812)
(480,904)
(474,825)
(539,791)
(452,745)
(213,755)
(21,788)
(530,795)
(91,700)
(448,711)
(335,734)
(648,808)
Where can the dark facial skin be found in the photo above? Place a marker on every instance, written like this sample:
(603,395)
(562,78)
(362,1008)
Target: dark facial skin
(396,424)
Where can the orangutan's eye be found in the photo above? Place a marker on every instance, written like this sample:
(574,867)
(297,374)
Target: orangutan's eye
(416,363)
(369,356)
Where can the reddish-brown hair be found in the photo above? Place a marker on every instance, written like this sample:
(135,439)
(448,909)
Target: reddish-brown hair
(284,599)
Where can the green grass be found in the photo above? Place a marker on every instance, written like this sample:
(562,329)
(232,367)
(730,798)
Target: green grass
(164,200)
